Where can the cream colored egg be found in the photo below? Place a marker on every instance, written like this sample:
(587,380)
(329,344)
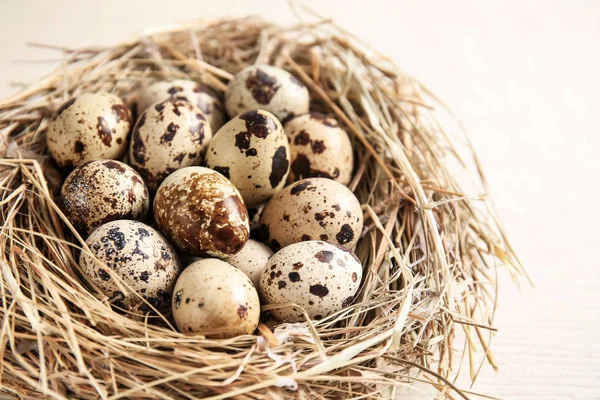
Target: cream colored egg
(202,96)
(213,298)
(267,88)
(318,276)
(251,151)
(169,135)
(137,254)
(312,209)
(252,259)
(88,127)
(101,191)
(319,148)
(201,212)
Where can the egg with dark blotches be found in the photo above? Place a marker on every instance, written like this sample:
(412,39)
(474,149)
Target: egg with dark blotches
(312,209)
(251,151)
(251,259)
(137,254)
(101,191)
(213,298)
(168,135)
(320,277)
(88,127)
(319,148)
(267,88)
(202,96)
(201,212)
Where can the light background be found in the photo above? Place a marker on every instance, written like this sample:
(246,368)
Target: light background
(524,76)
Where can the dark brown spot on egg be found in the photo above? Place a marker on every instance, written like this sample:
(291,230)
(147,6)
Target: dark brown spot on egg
(281,284)
(324,119)
(318,317)
(258,123)
(160,106)
(324,236)
(121,113)
(242,312)
(325,256)
(345,235)
(179,158)
(302,138)
(318,146)
(306,237)
(200,305)
(138,146)
(286,217)
(336,207)
(319,290)
(63,107)
(169,134)
(178,296)
(103,274)
(297,265)
(144,276)
(279,167)
(302,186)
(301,167)
(262,86)
(104,131)
(79,147)
(294,276)
(242,141)
(251,152)
(354,277)
(222,170)
(111,164)
(174,90)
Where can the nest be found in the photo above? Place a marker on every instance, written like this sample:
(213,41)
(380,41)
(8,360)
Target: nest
(430,246)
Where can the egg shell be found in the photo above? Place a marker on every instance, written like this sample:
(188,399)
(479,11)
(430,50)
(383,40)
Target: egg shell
(202,96)
(267,88)
(101,191)
(168,135)
(252,151)
(252,259)
(214,298)
(139,255)
(88,127)
(319,148)
(312,209)
(318,276)
(201,212)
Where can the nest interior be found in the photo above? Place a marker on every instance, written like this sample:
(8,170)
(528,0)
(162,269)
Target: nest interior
(430,246)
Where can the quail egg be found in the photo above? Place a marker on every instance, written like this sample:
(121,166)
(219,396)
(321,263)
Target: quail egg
(137,254)
(213,298)
(101,191)
(252,151)
(251,259)
(312,209)
(318,276)
(169,135)
(202,96)
(319,148)
(89,127)
(201,212)
(267,88)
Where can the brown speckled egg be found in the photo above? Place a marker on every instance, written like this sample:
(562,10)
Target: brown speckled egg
(267,88)
(252,259)
(252,151)
(312,209)
(320,277)
(169,135)
(101,191)
(202,96)
(139,255)
(201,212)
(213,298)
(319,148)
(89,127)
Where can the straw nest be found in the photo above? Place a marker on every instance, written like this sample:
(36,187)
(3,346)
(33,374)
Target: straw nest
(430,246)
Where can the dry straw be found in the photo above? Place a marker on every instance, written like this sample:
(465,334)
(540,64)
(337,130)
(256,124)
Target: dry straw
(430,247)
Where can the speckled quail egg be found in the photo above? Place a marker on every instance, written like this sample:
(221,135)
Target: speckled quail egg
(252,259)
(139,255)
(201,212)
(88,127)
(252,151)
(213,298)
(318,276)
(312,209)
(101,191)
(267,88)
(319,148)
(202,96)
(169,135)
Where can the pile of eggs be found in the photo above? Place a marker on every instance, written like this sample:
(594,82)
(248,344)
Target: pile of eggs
(182,184)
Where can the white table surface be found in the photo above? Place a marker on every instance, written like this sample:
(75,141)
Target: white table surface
(524,76)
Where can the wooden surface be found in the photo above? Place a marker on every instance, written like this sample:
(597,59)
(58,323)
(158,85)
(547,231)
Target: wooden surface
(524,76)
